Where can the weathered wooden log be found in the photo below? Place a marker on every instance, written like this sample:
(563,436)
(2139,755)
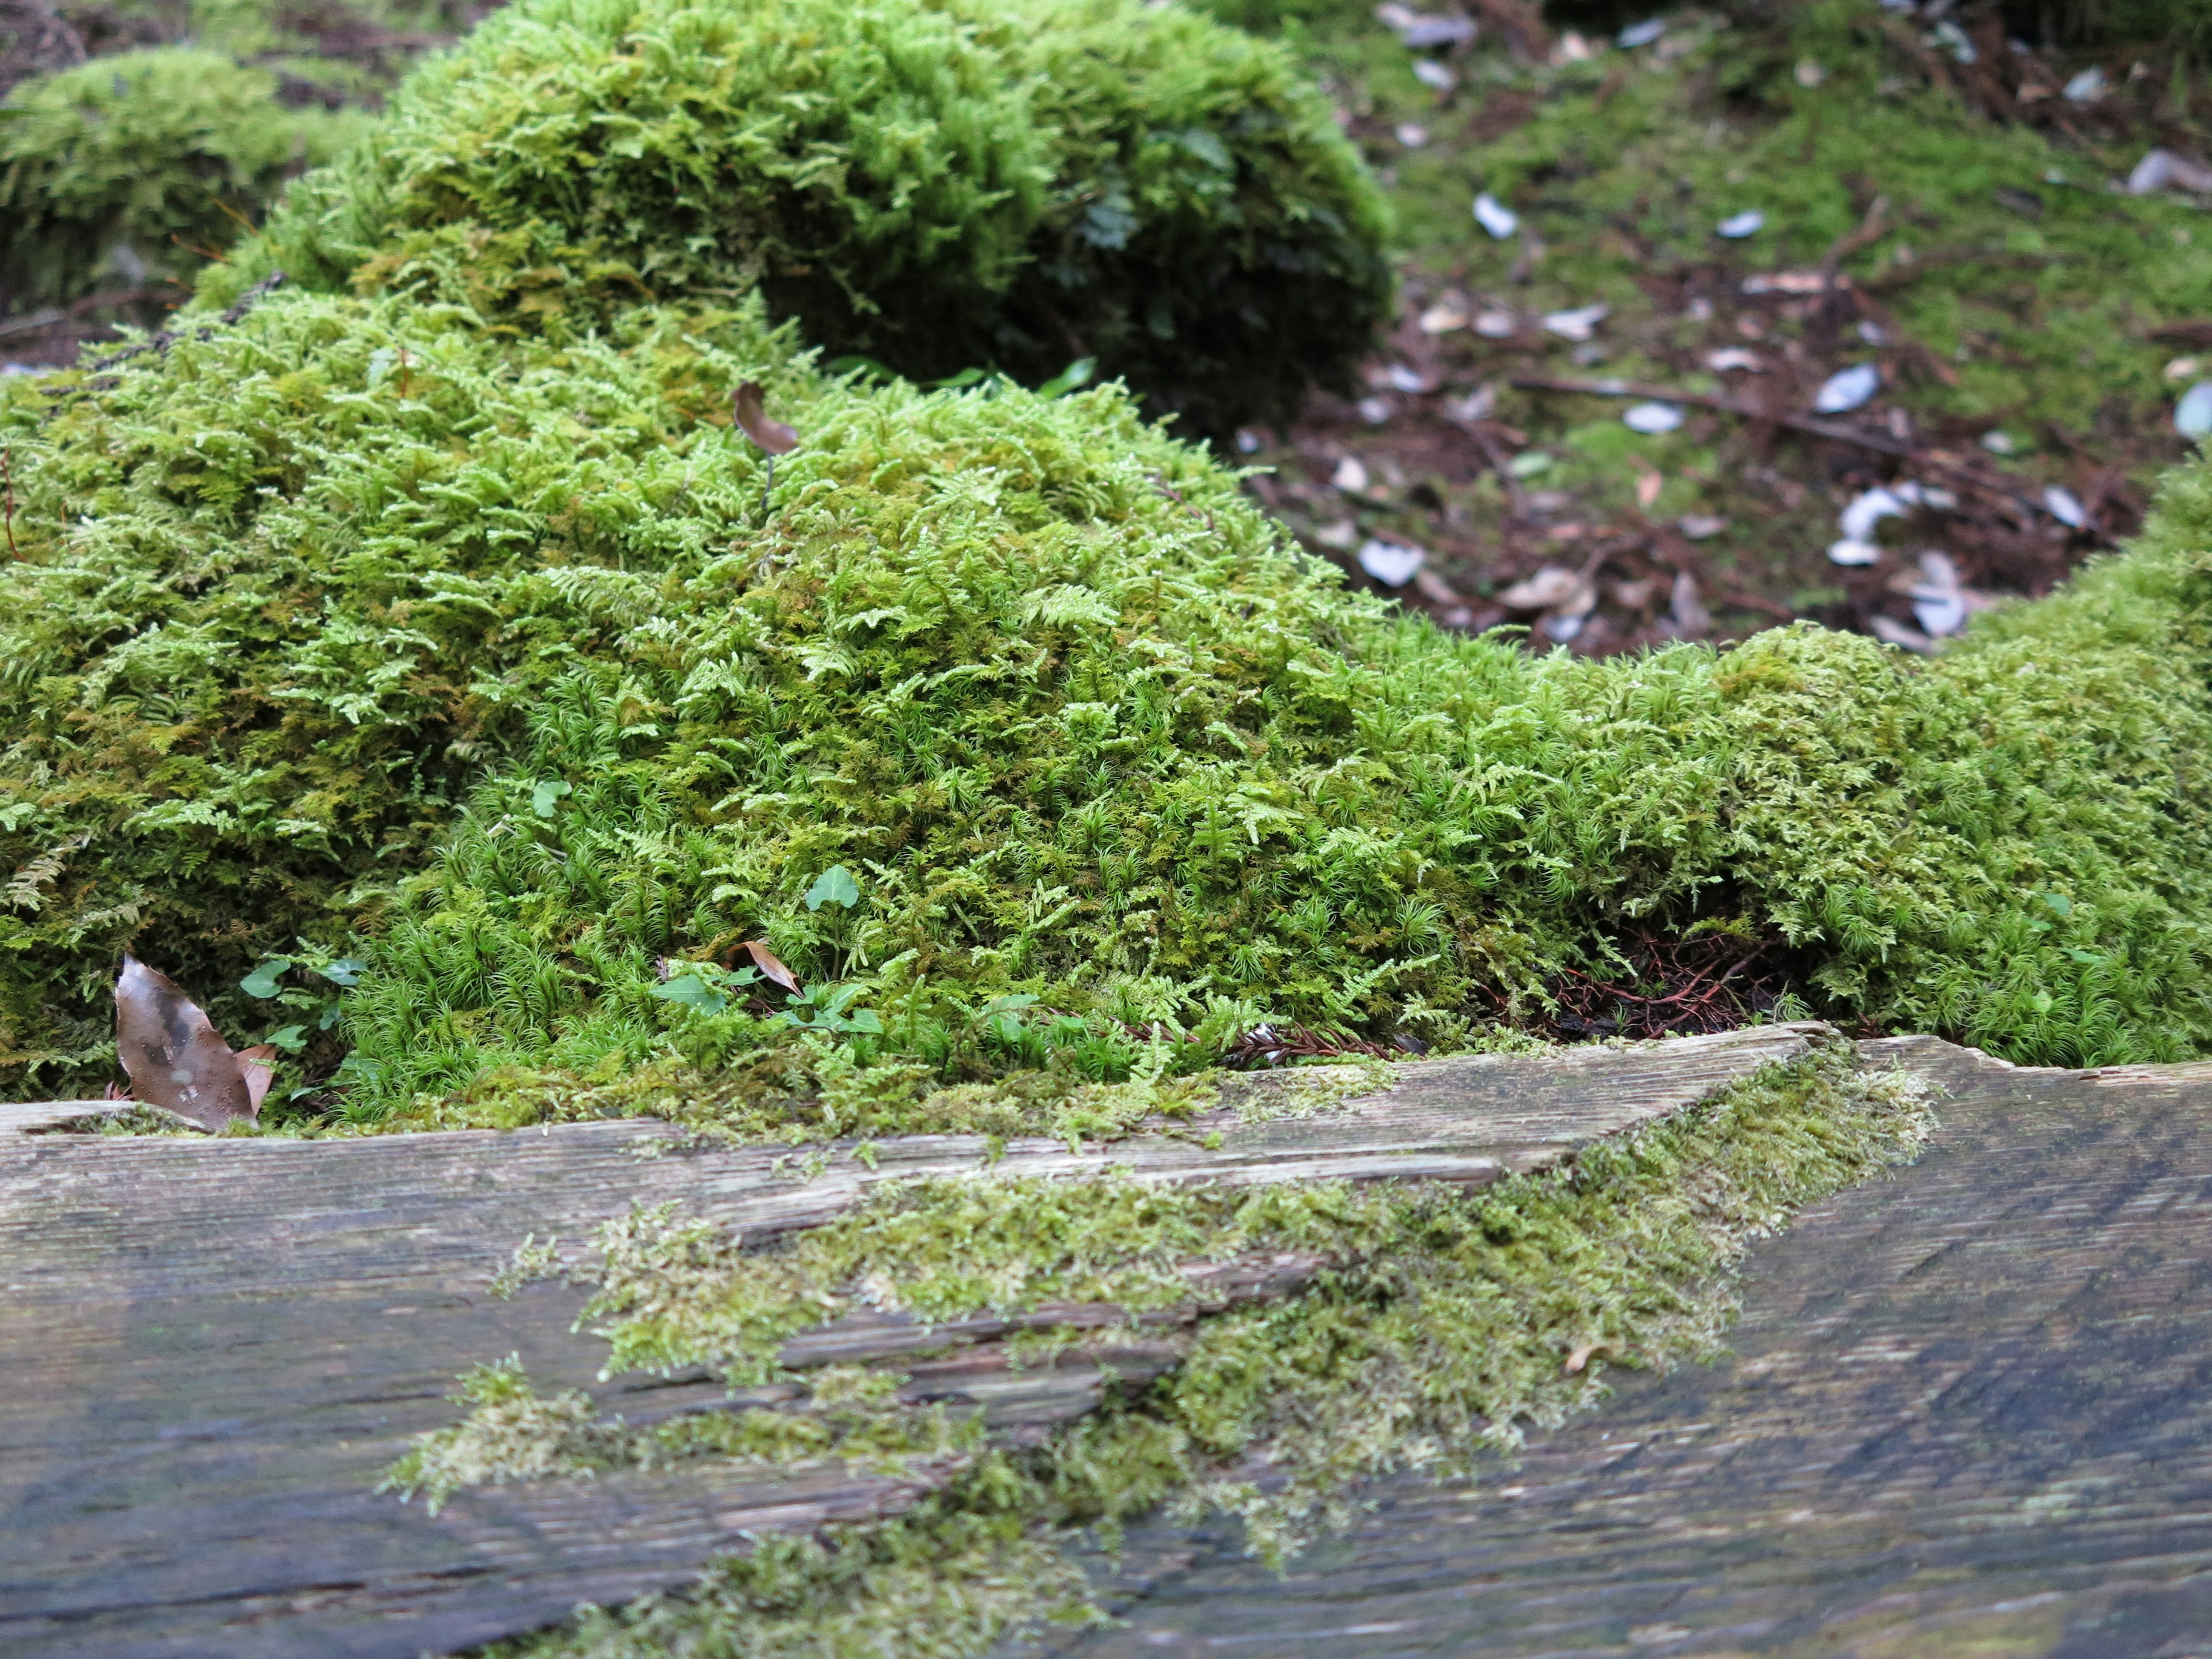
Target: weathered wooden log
(1963,1412)
(213,1346)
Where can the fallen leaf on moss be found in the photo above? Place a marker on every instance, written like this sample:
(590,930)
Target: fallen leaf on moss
(173,1056)
(771,968)
(750,405)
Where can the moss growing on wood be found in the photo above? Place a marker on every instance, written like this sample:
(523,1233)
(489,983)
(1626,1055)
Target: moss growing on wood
(1007,183)
(129,172)
(1447,1324)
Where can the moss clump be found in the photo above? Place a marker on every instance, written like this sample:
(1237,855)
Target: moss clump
(132,170)
(1447,1324)
(356,620)
(1016,183)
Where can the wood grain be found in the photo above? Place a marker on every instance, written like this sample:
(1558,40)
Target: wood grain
(1965,1414)
(213,1346)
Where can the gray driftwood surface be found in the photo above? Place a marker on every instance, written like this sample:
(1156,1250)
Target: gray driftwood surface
(211,1347)
(1967,1415)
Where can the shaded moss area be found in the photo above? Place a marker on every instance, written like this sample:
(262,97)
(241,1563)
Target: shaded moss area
(1446,1325)
(1009,183)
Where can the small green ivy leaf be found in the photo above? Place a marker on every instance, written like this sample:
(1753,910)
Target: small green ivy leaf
(346,971)
(2087,958)
(693,993)
(291,1039)
(262,982)
(834,885)
(546,794)
(1075,376)
(866,1020)
(2059,903)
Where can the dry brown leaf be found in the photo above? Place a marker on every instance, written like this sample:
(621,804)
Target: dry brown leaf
(171,1053)
(1649,484)
(259,1065)
(750,405)
(1582,1356)
(770,967)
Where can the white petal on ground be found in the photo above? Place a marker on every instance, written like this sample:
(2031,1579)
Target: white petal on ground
(1410,381)
(1412,136)
(1737,226)
(1652,419)
(1350,477)
(1478,405)
(1494,216)
(2065,507)
(2087,87)
(1868,509)
(1578,324)
(1391,564)
(2000,443)
(2192,415)
(1433,75)
(1343,535)
(1641,34)
(1443,318)
(1938,601)
(1849,552)
(1701,526)
(1495,326)
(1375,412)
(1554,587)
(1848,389)
(1728,358)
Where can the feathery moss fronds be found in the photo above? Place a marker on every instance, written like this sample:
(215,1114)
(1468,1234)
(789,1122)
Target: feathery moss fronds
(999,183)
(310,609)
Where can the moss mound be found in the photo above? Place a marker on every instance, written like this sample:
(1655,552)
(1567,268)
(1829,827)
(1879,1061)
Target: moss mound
(130,170)
(355,623)
(1008,183)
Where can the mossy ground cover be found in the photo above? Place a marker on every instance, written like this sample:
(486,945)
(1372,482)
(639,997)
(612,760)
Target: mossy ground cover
(139,142)
(2007,287)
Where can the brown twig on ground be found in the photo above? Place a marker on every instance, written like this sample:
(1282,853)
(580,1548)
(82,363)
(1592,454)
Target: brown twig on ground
(1836,431)
(7,492)
(39,321)
(1266,1046)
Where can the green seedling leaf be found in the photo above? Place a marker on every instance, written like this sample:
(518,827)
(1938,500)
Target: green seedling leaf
(834,885)
(2059,903)
(1075,376)
(345,971)
(2087,958)
(966,377)
(1529,463)
(331,1014)
(693,993)
(547,794)
(291,1039)
(866,1020)
(262,981)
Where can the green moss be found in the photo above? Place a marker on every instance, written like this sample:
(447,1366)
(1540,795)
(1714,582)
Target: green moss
(1009,183)
(1447,1323)
(132,170)
(309,610)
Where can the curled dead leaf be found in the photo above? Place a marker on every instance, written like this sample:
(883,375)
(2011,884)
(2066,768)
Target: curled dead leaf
(749,406)
(173,1056)
(1582,1356)
(771,969)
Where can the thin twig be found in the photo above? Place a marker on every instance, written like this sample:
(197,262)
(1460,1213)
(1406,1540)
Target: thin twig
(8,489)
(1836,431)
(39,321)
